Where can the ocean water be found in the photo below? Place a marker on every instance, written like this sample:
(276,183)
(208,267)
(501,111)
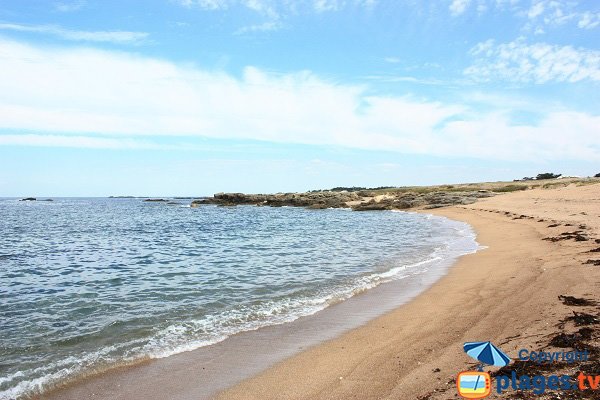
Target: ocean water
(89,284)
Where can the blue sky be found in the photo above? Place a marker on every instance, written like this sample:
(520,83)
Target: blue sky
(192,97)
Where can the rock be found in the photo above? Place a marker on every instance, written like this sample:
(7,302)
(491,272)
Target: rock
(28,199)
(363,200)
(156,200)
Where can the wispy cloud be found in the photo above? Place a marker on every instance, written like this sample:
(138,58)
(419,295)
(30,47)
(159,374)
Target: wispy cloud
(264,27)
(411,79)
(589,20)
(457,7)
(121,37)
(88,142)
(543,14)
(71,6)
(392,60)
(519,61)
(275,12)
(275,9)
(538,15)
(327,5)
(205,4)
(111,95)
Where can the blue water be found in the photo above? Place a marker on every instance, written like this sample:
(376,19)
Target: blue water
(88,284)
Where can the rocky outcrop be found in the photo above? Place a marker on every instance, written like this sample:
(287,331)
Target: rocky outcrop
(358,201)
(28,199)
(308,199)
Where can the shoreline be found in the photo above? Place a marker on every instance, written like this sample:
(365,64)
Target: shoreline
(507,294)
(248,353)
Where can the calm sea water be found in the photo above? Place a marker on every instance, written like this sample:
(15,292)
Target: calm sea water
(86,284)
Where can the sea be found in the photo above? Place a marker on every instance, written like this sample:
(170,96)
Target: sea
(89,284)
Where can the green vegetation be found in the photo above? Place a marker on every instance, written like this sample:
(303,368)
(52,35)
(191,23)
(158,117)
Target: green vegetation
(547,175)
(510,188)
(496,187)
(555,185)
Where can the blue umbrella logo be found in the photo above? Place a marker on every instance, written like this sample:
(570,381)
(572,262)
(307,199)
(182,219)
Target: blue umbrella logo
(486,353)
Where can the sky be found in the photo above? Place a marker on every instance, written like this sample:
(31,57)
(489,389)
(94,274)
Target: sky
(194,97)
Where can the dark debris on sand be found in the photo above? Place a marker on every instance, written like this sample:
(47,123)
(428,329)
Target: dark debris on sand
(578,236)
(582,319)
(575,301)
(572,340)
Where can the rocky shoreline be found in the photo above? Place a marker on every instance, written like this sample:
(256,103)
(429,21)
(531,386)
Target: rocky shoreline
(357,201)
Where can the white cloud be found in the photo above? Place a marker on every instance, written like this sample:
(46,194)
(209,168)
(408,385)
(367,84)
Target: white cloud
(90,36)
(74,141)
(262,7)
(205,4)
(69,6)
(518,61)
(264,27)
(457,7)
(94,94)
(327,5)
(276,9)
(392,60)
(535,10)
(589,20)
(553,13)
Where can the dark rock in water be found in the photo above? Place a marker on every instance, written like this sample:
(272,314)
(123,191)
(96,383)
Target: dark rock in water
(47,200)
(156,200)
(28,199)
(199,202)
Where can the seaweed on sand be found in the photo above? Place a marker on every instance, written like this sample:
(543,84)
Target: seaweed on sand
(575,301)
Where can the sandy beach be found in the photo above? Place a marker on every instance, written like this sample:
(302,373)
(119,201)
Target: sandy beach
(507,293)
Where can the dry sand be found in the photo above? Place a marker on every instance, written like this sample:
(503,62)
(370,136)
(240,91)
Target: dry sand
(507,293)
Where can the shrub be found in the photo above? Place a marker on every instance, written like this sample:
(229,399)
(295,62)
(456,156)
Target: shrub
(509,188)
(597,175)
(547,175)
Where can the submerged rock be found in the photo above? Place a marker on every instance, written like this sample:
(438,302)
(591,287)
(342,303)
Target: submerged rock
(28,199)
